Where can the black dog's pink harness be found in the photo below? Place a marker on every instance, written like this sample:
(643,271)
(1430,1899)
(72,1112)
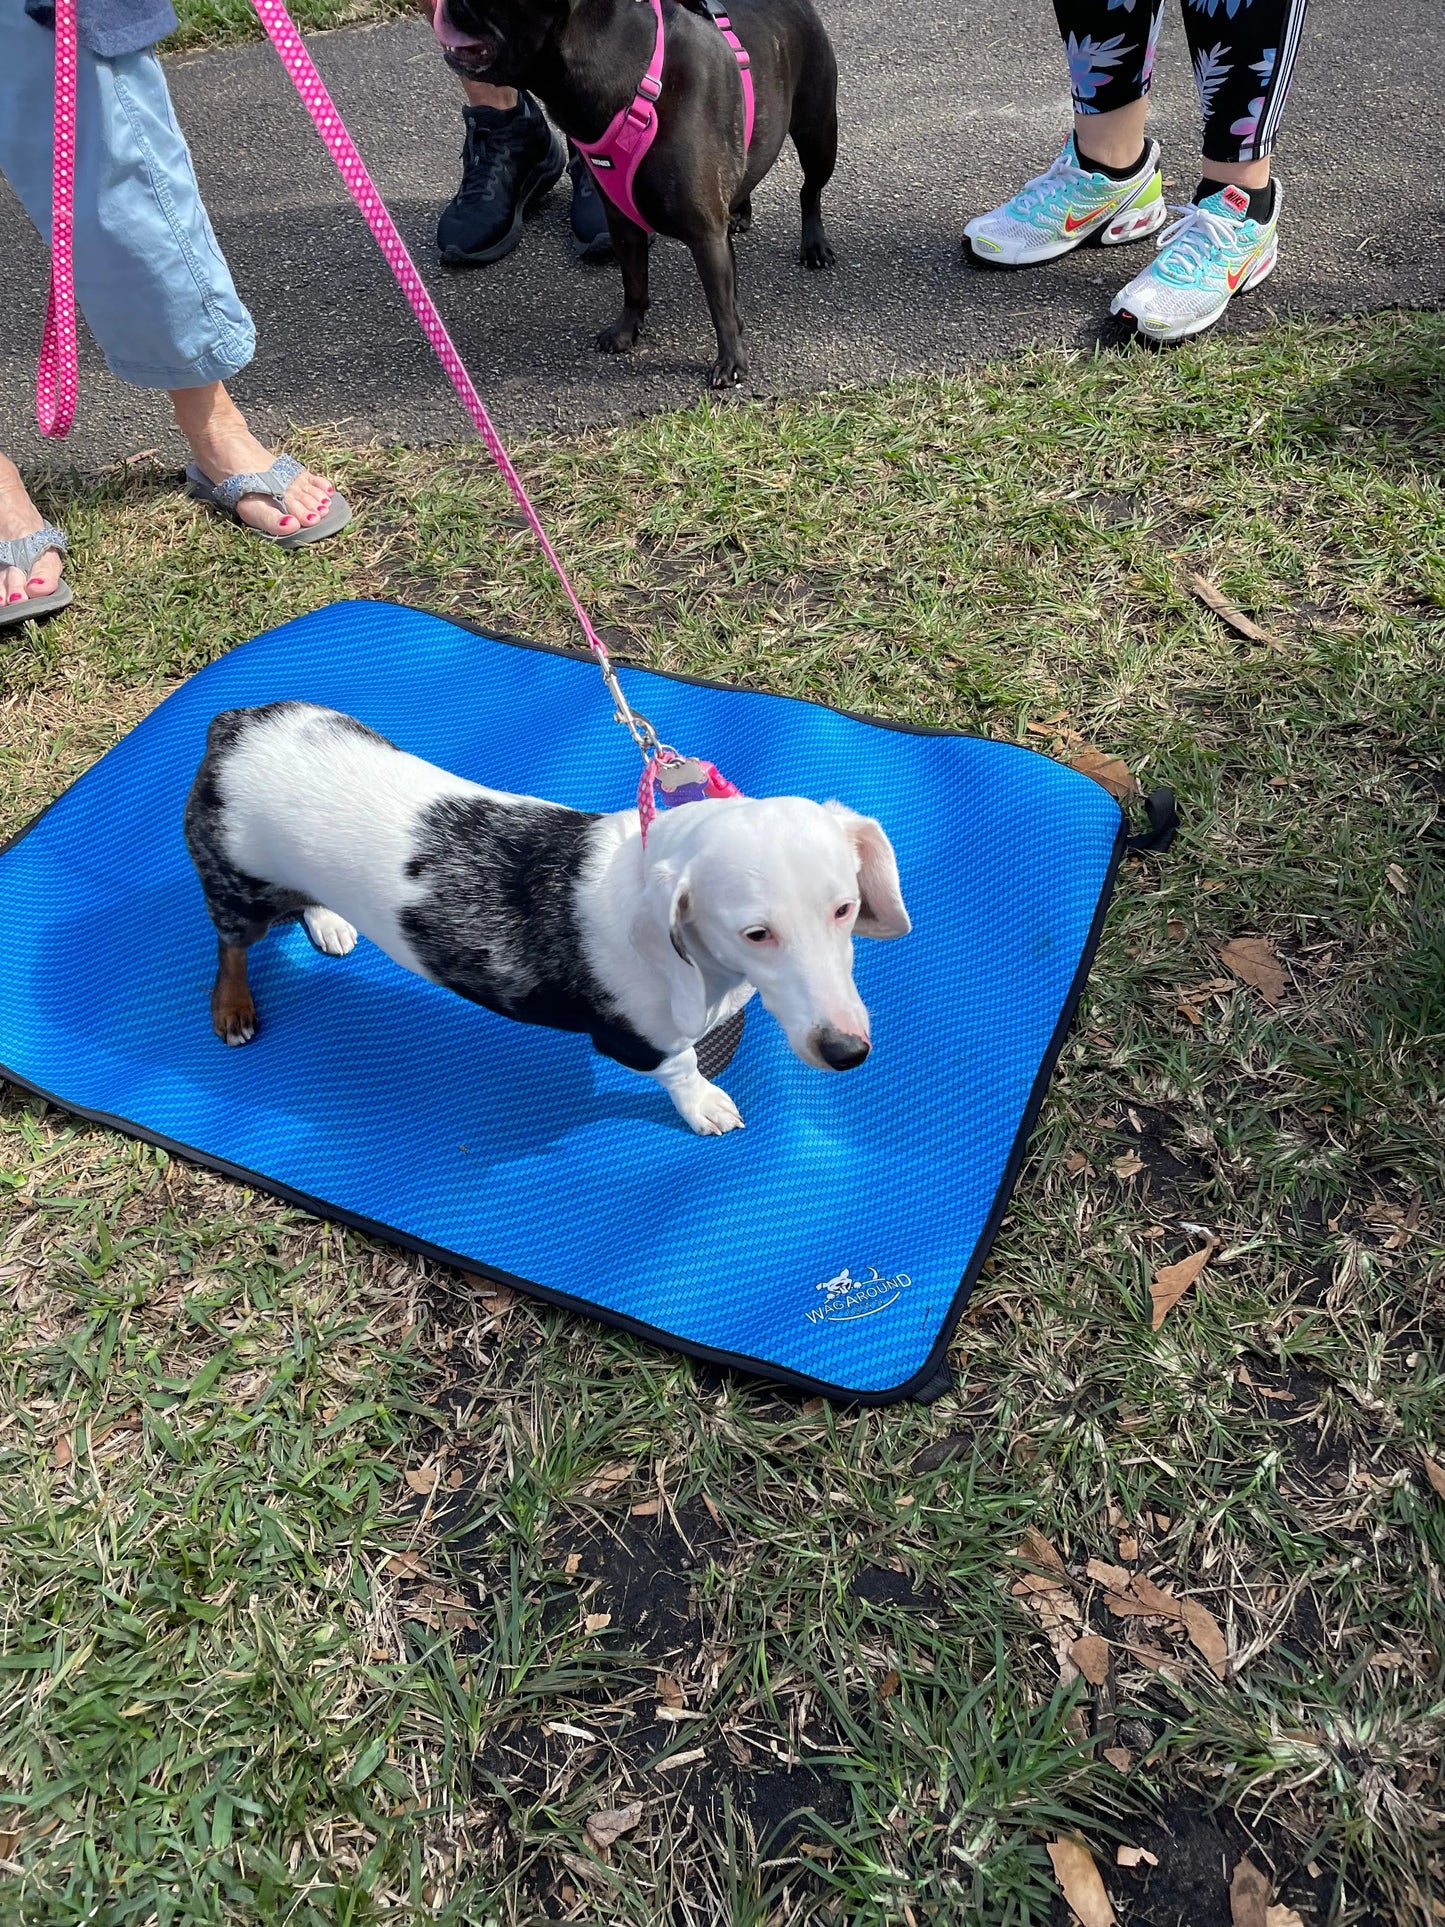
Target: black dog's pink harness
(623,148)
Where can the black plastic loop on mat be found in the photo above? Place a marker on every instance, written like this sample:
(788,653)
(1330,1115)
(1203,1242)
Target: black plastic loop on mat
(1163,815)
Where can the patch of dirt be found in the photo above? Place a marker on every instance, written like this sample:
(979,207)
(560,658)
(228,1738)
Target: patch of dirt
(1173,1169)
(778,1802)
(1197,1854)
(644,1572)
(881,1586)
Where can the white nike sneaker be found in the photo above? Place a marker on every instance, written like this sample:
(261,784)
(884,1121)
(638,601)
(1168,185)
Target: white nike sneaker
(1211,253)
(1067,205)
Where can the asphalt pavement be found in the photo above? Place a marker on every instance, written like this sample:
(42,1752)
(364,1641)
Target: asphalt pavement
(944,110)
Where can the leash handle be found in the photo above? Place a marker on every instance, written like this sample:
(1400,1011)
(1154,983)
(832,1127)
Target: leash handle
(57,375)
(281,30)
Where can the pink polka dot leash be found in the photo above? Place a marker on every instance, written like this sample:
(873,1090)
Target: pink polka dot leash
(658,758)
(57,376)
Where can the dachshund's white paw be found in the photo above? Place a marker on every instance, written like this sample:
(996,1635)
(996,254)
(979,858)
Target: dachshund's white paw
(708,1109)
(333,936)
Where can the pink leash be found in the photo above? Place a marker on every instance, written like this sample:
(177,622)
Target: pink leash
(57,377)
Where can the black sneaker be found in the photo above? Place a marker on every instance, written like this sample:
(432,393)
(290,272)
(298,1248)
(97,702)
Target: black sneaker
(589,216)
(510,161)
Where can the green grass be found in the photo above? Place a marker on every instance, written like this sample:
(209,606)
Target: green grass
(221,23)
(224,1697)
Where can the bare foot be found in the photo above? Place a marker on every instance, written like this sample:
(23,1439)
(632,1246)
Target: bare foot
(19,516)
(223,445)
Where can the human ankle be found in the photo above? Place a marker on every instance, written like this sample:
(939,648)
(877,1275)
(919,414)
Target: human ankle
(1108,168)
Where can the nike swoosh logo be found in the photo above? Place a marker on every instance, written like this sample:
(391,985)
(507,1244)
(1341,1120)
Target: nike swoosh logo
(1072,223)
(1241,271)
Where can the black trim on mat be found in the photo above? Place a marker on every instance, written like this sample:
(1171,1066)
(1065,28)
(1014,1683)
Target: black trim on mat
(928,1382)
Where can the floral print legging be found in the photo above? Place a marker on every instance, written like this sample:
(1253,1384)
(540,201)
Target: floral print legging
(1243,52)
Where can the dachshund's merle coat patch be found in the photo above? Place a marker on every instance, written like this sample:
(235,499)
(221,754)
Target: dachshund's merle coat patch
(498,921)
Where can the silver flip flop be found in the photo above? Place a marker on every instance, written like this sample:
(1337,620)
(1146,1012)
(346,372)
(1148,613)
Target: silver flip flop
(274,482)
(23,552)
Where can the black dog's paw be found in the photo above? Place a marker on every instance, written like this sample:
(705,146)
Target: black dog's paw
(620,338)
(740,221)
(727,371)
(817,251)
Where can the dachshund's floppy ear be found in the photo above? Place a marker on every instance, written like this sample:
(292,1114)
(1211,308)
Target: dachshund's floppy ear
(659,933)
(880,899)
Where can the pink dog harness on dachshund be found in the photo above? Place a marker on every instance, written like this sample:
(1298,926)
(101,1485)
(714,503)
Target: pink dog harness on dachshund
(615,158)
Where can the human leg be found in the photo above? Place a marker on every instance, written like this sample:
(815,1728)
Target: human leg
(149,274)
(1105,183)
(1227,240)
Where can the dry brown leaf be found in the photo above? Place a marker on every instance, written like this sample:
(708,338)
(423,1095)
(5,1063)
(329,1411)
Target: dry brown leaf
(1119,1757)
(1110,772)
(712,1511)
(1128,1166)
(421,1478)
(1079,1880)
(607,1826)
(1233,618)
(812,1406)
(572,1563)
(8,1843)
(1176,930)
(1282,1917)
(647,1509)
(1172,1281)
(606,1479)
(597,1622)
(1154,1598)
(1114,1577)
(1131,1856)
(1434,1473)
(1037,1550)
(1091,1655)
(1397,879)
(1205,1635)
(690,1758)
(406,1565)
(1123,1605)
(1162,1522)
(1128,1547)
(1255,960)
(669,1690)
(889,1684)
(1248,1896)
(1075,1162)
(61,1451)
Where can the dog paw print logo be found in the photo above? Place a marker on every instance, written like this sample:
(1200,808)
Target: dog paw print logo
(846,1298)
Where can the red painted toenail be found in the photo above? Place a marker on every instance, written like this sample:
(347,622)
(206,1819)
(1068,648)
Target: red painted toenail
(36,582)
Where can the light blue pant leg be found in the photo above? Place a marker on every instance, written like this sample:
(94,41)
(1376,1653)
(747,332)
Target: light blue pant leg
(149,276)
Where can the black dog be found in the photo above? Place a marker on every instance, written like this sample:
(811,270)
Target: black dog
(584,59)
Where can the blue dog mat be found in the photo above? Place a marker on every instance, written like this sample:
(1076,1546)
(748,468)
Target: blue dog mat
(830,1245)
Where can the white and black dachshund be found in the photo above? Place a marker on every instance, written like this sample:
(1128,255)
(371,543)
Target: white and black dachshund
(545,914)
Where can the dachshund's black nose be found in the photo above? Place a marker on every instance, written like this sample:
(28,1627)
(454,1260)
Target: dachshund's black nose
(838,1050)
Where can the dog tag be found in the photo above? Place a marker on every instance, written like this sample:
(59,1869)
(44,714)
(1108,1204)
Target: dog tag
(683,782)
